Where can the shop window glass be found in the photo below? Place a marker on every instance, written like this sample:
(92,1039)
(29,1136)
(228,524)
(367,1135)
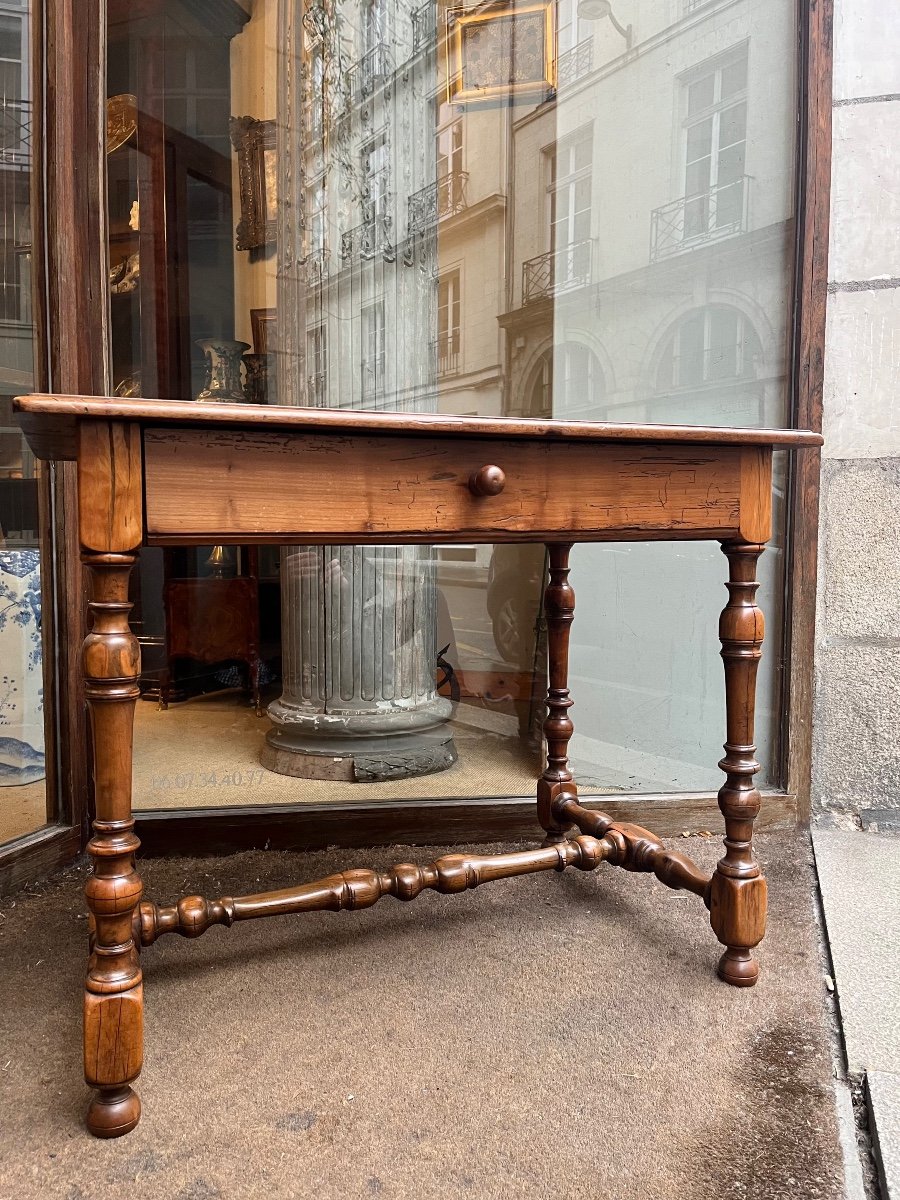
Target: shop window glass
(312,211)
(23,796)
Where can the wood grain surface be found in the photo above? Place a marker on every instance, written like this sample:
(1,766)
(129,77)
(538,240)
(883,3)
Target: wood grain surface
(221,485)
(109,486)
(49,423)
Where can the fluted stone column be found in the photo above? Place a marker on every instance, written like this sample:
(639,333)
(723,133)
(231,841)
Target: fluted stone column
(358,629)
(359,653)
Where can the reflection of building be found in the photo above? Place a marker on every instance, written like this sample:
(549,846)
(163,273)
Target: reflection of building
(618,250)
(358,294)
(653,226)
(18,500)
(621,251)
(358,159)
(468,251)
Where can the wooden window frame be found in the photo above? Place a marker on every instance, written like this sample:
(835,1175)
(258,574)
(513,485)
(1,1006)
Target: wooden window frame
(69,278)
(72,333)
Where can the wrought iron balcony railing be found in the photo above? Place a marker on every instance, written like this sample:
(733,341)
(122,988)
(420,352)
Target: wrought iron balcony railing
(15,133)
(424,25)
(696,220)
(575,63)
(451,193)
(316,267)
(372,374)
(374,66)
(446,352)
(557,271)
(357,242)
(436,201)
(371,237)
(316,389)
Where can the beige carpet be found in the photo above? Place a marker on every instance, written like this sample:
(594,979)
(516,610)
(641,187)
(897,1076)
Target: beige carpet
(23,808)
(544,1037)
(206,753)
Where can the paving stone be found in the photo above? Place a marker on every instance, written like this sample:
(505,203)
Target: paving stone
(884,1105)
(859,877)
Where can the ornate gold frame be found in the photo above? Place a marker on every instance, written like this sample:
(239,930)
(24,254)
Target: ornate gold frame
(253,140)
(461,19)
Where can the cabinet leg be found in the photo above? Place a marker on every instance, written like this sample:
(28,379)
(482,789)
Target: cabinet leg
(113,1001)
(738,890)
(559,607)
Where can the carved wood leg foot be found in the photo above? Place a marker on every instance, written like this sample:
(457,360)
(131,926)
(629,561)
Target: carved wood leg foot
(738,967)
(113,1112)
(737,893)
(737,913)
(559,607)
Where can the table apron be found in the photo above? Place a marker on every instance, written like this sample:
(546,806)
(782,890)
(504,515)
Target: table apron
(282,487)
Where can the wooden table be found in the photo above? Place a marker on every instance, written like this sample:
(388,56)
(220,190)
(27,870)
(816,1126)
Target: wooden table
(167,473)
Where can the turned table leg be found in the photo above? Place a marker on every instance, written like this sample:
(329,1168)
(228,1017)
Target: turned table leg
(113,1000)
(110,520)
(559,607)
(738,889)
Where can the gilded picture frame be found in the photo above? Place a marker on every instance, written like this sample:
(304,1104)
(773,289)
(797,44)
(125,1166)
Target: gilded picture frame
(254,144)
(501,54)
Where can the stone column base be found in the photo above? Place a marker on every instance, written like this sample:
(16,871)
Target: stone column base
(358,759)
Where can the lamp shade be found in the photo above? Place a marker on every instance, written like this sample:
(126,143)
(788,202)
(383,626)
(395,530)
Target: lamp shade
(594,10)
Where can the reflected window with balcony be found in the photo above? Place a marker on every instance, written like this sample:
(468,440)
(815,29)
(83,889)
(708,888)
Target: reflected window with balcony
(424,26)
(14,108)
(567,265)
(316,202)
(376,30)
(376,186)
(715,146)
(448,340)
(375,56)
(451,178)
(574,43)
(711,368)
(317,366)
(372,362)
(316,110)
(716,189)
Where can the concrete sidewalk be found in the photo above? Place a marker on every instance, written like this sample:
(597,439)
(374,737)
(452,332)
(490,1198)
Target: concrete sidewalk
(859,880)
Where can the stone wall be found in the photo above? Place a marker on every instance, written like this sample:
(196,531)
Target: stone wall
(857,706)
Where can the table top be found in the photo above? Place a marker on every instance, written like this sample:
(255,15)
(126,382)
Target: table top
(50,422)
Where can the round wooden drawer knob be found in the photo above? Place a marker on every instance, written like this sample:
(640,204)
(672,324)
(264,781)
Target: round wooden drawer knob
(487,481)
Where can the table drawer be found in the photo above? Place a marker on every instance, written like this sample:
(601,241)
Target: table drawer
(211,485)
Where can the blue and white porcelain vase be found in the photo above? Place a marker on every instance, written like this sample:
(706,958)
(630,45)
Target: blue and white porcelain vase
(21,674)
